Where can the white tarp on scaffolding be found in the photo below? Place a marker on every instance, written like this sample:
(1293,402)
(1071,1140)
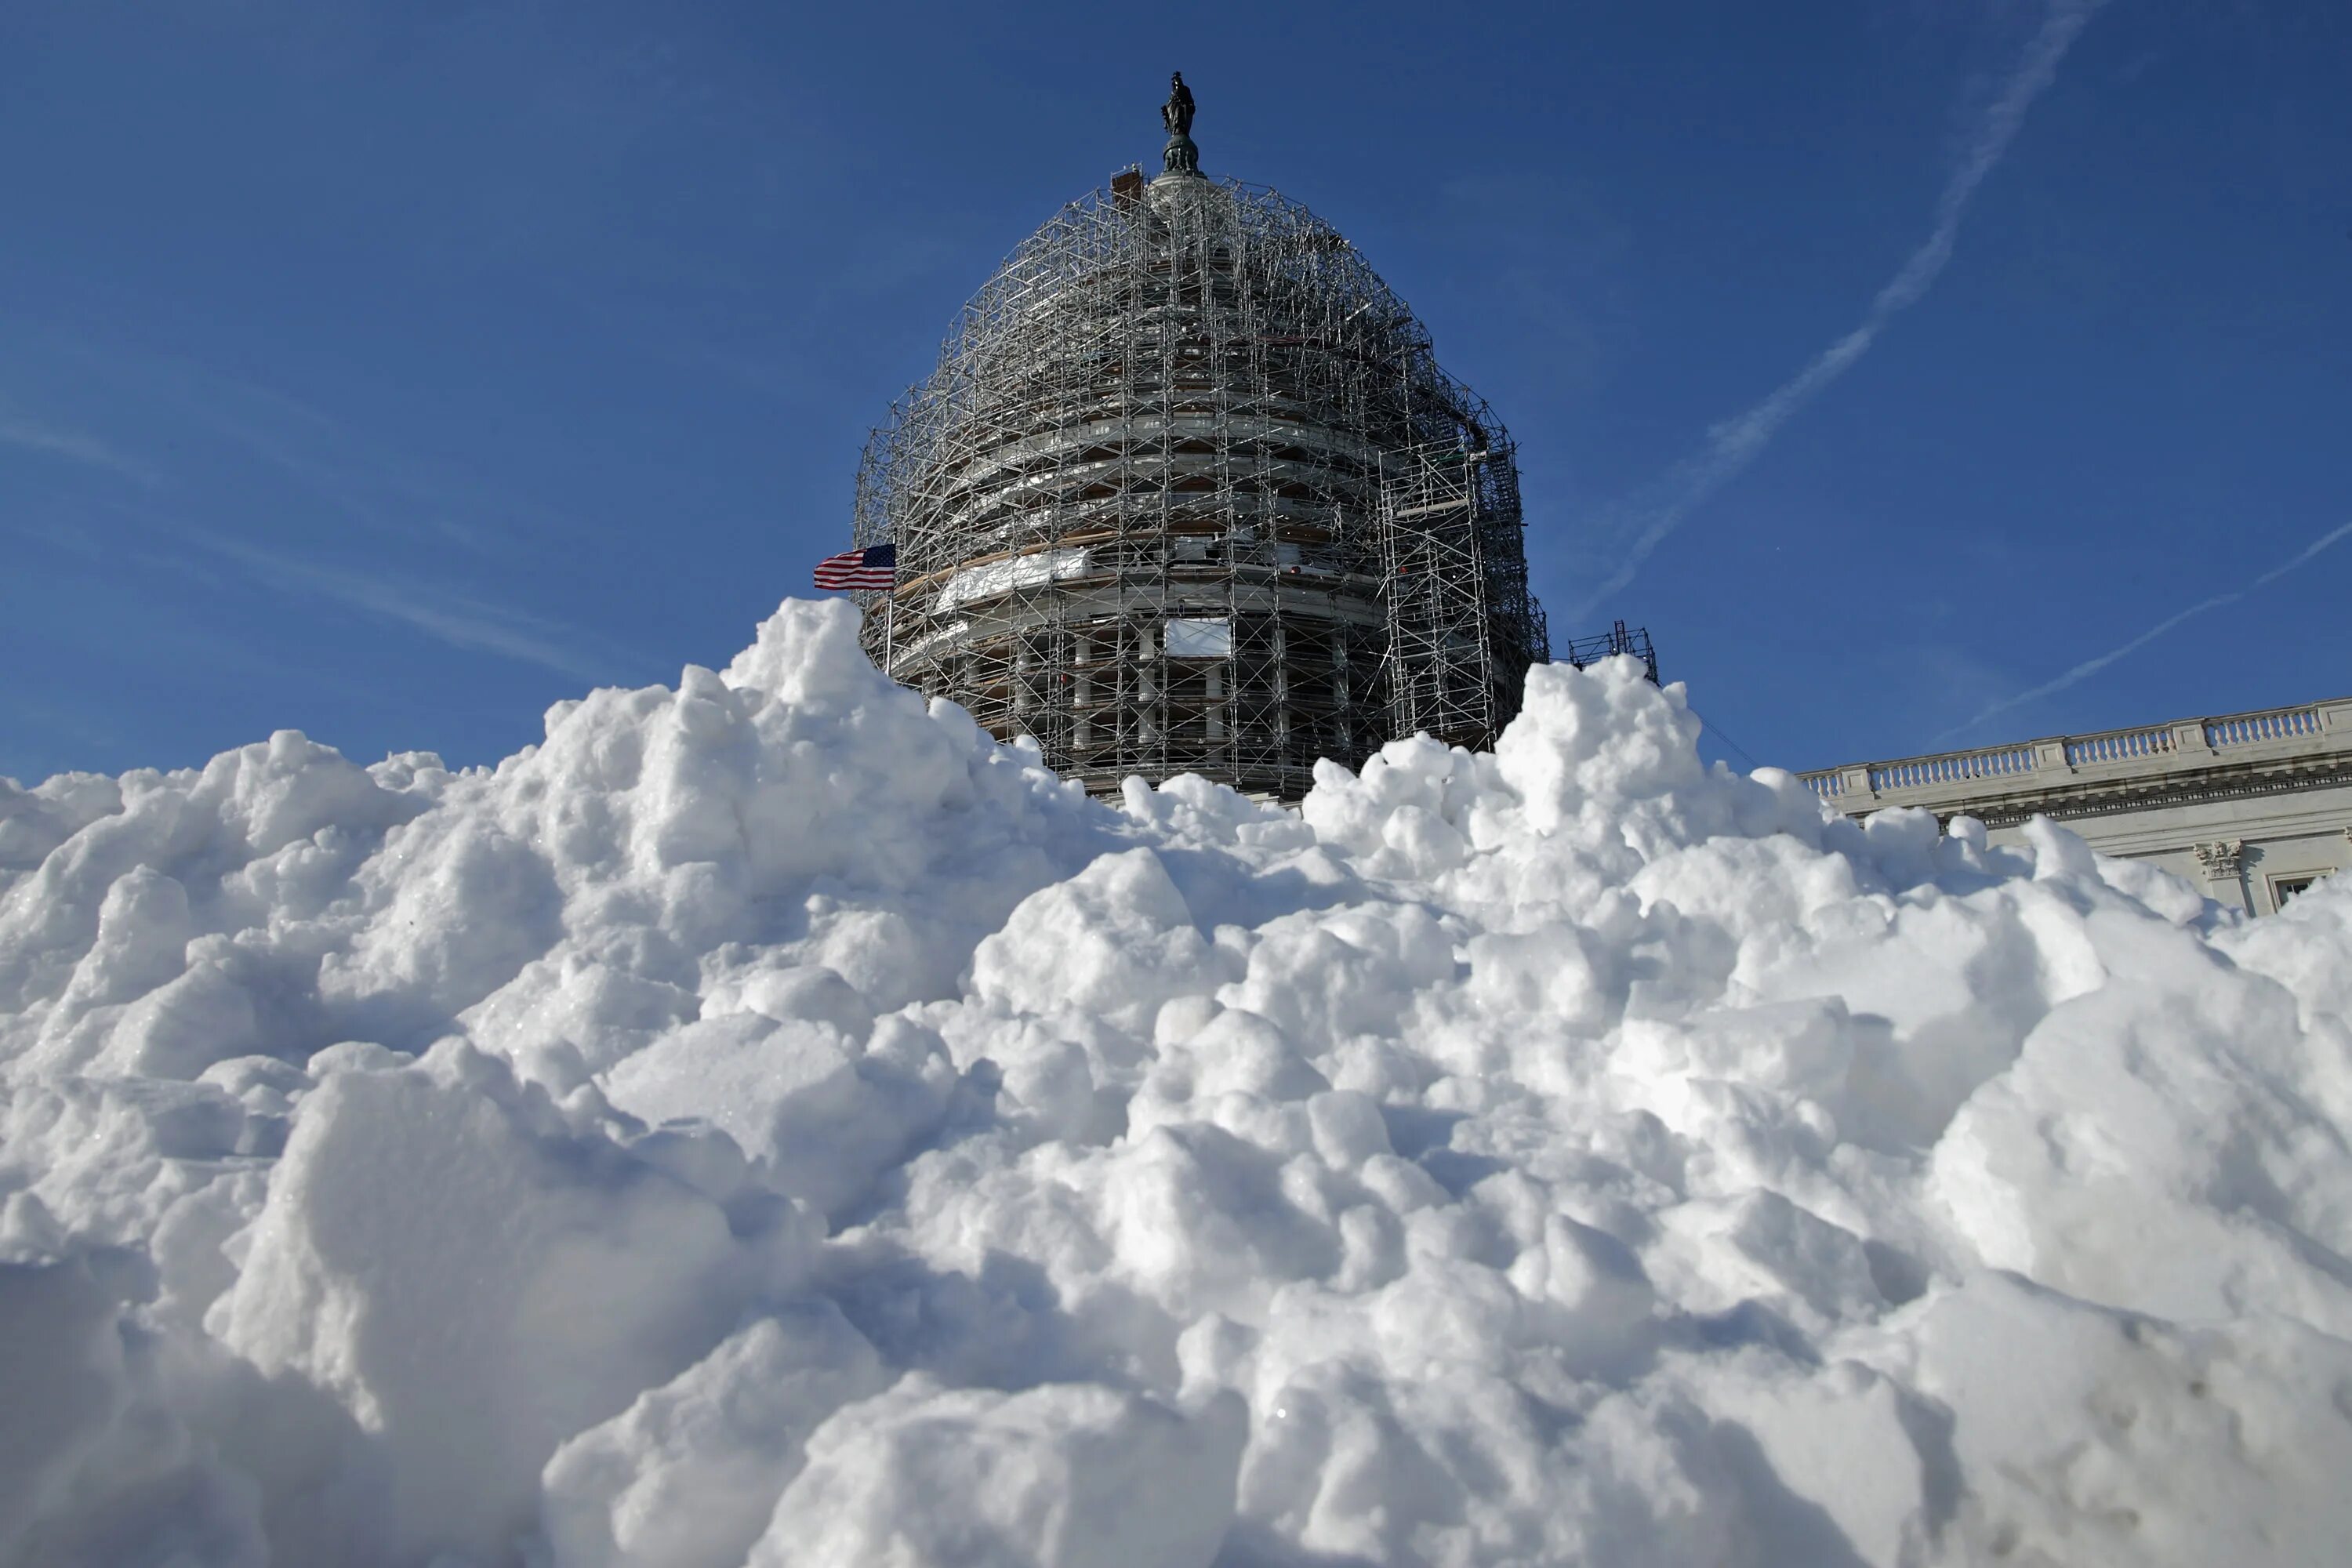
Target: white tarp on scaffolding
(1198,637)
(948,633)
(996,577)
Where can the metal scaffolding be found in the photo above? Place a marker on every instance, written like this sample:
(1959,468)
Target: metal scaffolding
(1583,652)
(1189,493)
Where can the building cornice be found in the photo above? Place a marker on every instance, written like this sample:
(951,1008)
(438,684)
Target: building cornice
(2189,761)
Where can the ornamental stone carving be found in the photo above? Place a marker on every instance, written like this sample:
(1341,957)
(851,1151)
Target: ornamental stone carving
(2221,860)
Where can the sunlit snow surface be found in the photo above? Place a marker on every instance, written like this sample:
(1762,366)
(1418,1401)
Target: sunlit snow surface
(771,1122)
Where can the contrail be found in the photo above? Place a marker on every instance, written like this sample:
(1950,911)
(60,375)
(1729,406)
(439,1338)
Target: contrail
(2089,667)
(2310,550)
(1735,443)
(438,612)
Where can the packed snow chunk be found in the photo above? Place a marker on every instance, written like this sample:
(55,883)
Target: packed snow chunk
(292,787)
(1835,1464)
(807,658)
(96,1465)
(33,822)
(825,1114)
(1588,738)
(143,928)
(474,1276)
(1059,1476)
(1404,815)
(2171,1098)
(1116,940)
(182,1027)
(61,1362)
(2069,1433)
(689,1475)
(458,907)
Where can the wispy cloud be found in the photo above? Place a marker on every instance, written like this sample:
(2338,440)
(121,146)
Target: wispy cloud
(74,446)
(2091,667)
(444,615)
(1645,522)
(389,495)
(394,493)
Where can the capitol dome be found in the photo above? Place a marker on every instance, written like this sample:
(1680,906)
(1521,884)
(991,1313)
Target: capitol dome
(1189,493)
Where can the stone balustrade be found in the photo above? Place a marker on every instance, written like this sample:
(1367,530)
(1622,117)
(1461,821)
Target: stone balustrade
(2013,774)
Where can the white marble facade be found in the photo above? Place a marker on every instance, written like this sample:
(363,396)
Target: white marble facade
(2252,808)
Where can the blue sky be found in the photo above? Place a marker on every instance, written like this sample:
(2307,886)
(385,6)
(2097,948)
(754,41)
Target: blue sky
(392,372)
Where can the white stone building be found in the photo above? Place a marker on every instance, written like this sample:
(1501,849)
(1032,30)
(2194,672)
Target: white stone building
(2251,807)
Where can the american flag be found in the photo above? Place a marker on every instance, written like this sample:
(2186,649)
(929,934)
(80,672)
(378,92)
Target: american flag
(876,566)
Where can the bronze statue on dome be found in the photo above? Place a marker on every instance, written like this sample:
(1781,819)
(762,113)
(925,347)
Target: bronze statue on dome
(1177,112)
(1180,157)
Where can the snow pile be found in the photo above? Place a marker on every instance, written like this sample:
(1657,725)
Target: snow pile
(770,1122)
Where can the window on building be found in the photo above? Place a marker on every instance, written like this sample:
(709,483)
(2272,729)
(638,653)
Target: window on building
(2285,888)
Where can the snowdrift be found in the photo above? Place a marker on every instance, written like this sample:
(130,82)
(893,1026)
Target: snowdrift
(770,1122)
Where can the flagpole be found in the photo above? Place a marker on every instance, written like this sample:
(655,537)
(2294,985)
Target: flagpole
(890,619)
